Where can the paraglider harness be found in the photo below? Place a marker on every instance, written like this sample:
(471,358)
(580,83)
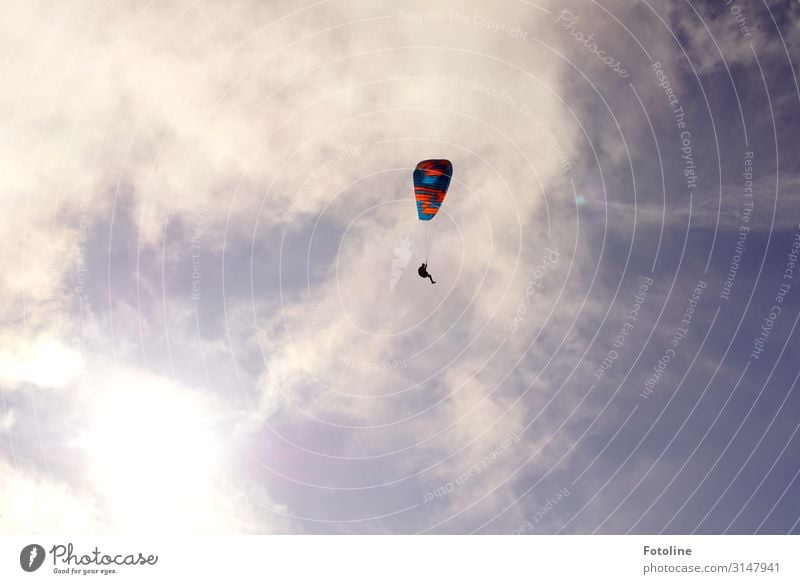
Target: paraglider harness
(423,272)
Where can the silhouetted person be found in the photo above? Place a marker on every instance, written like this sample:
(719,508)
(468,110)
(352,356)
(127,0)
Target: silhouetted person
(423,272)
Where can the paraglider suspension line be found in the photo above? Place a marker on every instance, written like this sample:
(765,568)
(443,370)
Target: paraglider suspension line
(428,228)
(427,242)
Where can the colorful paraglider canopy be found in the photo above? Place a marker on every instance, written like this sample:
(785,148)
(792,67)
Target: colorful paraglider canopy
(431,179)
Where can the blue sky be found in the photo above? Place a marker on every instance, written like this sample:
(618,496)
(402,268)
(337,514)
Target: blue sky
(212,318)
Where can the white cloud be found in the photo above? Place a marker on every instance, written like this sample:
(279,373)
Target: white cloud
(199,120)
(34,504)
(44,362)
(8,420)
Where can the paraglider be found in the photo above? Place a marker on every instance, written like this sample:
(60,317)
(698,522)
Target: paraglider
(431,180)
(423,272)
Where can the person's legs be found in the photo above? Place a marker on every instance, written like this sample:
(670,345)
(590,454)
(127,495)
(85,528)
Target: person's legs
(431,277)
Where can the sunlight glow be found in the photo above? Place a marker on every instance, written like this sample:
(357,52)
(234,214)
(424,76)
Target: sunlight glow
(154,457)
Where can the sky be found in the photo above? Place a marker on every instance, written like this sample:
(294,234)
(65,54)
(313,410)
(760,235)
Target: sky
(212,321)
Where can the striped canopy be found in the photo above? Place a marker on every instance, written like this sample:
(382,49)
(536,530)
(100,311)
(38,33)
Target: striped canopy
(431,179)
